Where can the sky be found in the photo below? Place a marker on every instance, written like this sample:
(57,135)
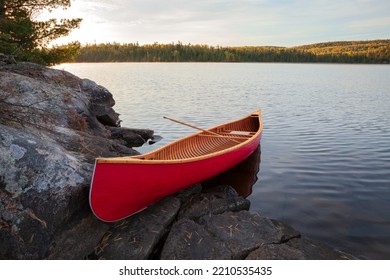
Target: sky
(226,22)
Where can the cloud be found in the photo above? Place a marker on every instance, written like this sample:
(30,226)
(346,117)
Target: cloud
(229,22)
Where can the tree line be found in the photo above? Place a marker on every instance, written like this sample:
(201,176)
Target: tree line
(376,51)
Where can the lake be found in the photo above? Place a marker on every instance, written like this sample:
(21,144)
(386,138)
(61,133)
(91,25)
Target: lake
(325,149)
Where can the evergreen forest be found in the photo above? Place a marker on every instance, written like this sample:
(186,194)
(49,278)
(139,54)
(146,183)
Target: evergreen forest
(375,51)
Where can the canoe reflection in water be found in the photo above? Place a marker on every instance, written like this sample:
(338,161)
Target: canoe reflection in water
(241,177)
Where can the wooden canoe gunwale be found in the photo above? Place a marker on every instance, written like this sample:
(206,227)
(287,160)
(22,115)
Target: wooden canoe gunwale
(148,157)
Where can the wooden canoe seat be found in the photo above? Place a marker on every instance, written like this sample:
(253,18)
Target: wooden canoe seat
(237,133)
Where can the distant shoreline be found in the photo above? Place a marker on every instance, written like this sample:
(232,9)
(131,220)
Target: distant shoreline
(223,62)
(350,52)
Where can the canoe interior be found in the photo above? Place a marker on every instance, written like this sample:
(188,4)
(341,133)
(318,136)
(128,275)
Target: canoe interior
(205,143)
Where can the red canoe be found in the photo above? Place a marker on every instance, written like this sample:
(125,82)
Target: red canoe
(123,186)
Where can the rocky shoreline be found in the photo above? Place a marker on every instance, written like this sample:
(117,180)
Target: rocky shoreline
(52,127)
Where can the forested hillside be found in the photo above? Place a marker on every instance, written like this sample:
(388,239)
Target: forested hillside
(377,51)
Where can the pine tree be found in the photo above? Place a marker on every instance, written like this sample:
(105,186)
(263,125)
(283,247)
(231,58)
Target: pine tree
(28,39)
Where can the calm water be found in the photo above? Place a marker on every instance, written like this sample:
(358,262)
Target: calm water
(325,151)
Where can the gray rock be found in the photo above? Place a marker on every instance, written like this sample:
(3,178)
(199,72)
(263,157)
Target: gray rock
(287,231)
(187,193)
(137,237)
(105,115)
(76,239)
(315,250)
(132,137)
(218,233)
(25,86)
(241,232)
(276,252)
(154,139)
(51,130)
(208,229)
(214,201)
(102,102)
(97,93)
(188,240)
(16,151)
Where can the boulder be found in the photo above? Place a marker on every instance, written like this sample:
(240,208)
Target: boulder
(203,230)
(102,102)
(235,234)
(216,200)
(52,127)
(131,136)
(138,237)
(188,240)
